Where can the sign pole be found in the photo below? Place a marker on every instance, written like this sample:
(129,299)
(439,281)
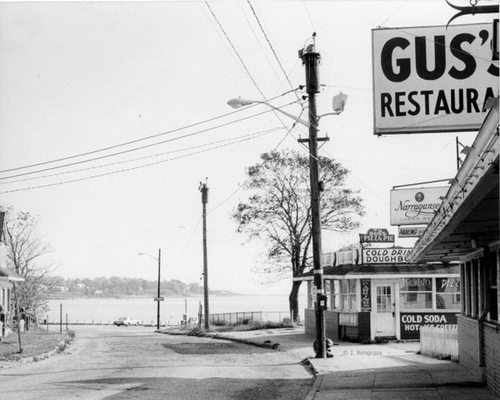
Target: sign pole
(158,293)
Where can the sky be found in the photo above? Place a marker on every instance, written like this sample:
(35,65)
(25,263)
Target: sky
(85,76)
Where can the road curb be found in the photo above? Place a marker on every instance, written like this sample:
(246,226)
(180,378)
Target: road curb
(318,380)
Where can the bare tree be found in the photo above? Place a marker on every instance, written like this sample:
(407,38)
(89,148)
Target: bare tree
(278,210)
(24,249)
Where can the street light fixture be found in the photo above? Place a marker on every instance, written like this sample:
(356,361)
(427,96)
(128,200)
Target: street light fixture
(158,297)
(239,102)
(338,104)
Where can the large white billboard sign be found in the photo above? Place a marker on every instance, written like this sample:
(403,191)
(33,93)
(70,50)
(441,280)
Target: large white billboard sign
(432,79)
(415,206)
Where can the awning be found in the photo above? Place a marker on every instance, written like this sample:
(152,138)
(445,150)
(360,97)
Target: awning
(468,218)
(383,271)
(11,275)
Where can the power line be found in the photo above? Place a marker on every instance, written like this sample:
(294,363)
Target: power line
(138,139)
(140,147)
(289,131)
(234,49)
(124,170)
(232,139)
(270,45)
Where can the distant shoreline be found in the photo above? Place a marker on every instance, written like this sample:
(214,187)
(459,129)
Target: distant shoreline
(67,296)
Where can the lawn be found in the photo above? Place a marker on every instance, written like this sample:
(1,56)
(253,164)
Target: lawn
(35,342)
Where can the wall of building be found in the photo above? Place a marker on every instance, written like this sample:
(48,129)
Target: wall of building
(492,356)
(468,344)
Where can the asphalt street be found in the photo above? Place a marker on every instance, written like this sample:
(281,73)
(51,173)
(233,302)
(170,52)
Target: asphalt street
(136,363)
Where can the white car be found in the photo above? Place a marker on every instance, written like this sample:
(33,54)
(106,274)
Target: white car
(127,321)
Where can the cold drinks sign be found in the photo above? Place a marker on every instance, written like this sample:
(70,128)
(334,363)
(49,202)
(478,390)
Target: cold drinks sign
(432,79)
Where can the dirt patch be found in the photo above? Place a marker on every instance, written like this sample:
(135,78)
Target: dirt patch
(207,348)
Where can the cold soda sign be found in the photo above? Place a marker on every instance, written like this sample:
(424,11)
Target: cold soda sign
(410,323)
(432,79)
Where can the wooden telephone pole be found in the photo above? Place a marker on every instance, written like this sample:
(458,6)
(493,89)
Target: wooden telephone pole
(310,59)
(204,201)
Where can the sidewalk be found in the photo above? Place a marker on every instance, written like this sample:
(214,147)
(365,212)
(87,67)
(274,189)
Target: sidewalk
(375,371)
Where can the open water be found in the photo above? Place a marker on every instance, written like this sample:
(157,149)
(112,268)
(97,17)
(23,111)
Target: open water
(106,310)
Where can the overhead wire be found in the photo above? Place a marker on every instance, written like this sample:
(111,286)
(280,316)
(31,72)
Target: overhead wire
(234,49)
(288,132)
(270,44)
(125,169)
(232,139)
(140,147)
(136,140)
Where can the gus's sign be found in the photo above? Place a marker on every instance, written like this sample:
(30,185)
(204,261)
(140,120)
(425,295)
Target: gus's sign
(432,79)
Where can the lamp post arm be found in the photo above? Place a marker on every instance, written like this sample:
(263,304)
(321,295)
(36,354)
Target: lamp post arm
(296,119)
(239,102)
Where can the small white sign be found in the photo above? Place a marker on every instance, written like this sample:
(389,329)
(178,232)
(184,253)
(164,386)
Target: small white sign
(410,231)
(415,206)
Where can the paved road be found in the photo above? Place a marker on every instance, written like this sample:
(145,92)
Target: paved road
(135,363)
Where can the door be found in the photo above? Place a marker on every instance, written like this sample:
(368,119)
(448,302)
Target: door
(384,311)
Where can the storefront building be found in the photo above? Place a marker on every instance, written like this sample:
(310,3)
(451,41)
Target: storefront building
(465,229)
(371,299)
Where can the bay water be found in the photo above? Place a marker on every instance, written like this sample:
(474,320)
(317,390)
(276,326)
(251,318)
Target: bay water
(106,310)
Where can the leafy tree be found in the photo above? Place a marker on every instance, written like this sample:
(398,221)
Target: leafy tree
(24,249)
(278,210)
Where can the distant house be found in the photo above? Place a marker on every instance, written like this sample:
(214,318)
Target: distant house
(59,289)
(7,277)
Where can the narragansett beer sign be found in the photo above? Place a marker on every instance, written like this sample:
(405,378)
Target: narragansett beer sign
(415,206)
(432,78)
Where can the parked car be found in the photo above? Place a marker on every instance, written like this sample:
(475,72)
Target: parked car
(127,321)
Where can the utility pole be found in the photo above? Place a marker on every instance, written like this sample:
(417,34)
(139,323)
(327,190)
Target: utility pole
(158,293)
(310,58)
(204,201)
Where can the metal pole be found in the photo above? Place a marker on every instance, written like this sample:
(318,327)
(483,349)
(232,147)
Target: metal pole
(311,59)
(204,200)
(60,317)
(158,294)
(458,155)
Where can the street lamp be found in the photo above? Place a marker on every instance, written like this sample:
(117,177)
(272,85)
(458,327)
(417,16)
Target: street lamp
(239,102)
(158,298)
(338,104)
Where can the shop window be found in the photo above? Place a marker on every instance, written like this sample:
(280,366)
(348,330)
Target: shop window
(327,291)
(415,293)
(335,296)
(384,299)
(348,294)
(448,293)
